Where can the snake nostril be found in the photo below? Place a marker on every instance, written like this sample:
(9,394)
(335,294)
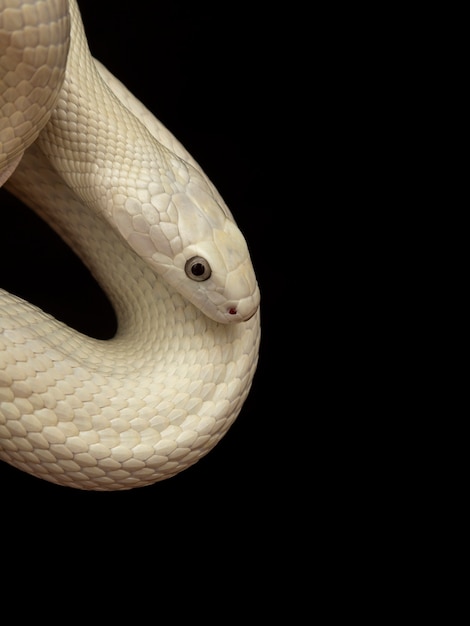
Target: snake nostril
(232,310)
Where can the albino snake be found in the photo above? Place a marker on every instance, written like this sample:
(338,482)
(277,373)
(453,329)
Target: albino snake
(116,185)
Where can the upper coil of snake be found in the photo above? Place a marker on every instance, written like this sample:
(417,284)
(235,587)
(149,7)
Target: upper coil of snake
(86,155)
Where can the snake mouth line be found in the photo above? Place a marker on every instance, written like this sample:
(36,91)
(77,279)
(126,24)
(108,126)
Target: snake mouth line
(250,316)
(234,311)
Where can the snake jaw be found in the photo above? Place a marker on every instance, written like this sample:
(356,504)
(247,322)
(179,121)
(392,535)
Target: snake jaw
(235,316)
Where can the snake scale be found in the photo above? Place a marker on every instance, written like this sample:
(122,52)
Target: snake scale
(79,149)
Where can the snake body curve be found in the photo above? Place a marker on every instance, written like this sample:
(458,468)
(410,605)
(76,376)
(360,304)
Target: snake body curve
(116,185)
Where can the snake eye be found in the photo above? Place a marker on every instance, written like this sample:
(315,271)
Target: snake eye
(197,268)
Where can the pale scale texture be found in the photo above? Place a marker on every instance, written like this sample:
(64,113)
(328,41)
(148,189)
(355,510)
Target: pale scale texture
(33,51)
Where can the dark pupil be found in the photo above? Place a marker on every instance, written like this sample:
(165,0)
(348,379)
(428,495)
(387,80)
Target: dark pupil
(198,269)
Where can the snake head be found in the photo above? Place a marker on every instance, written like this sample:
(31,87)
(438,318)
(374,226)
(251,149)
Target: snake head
(219,277)
(214,270)
(185,232)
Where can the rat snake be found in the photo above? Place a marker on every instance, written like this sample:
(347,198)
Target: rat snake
(78,148)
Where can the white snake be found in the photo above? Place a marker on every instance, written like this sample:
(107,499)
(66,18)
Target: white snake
(85,154)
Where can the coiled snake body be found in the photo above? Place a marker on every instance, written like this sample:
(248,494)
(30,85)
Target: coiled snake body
(80,150)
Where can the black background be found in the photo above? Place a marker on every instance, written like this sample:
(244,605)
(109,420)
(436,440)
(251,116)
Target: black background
(214,76)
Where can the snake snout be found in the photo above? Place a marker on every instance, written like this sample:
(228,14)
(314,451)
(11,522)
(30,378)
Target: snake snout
(244,310)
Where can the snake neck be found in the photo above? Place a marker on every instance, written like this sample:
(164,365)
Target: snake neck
(102,158)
